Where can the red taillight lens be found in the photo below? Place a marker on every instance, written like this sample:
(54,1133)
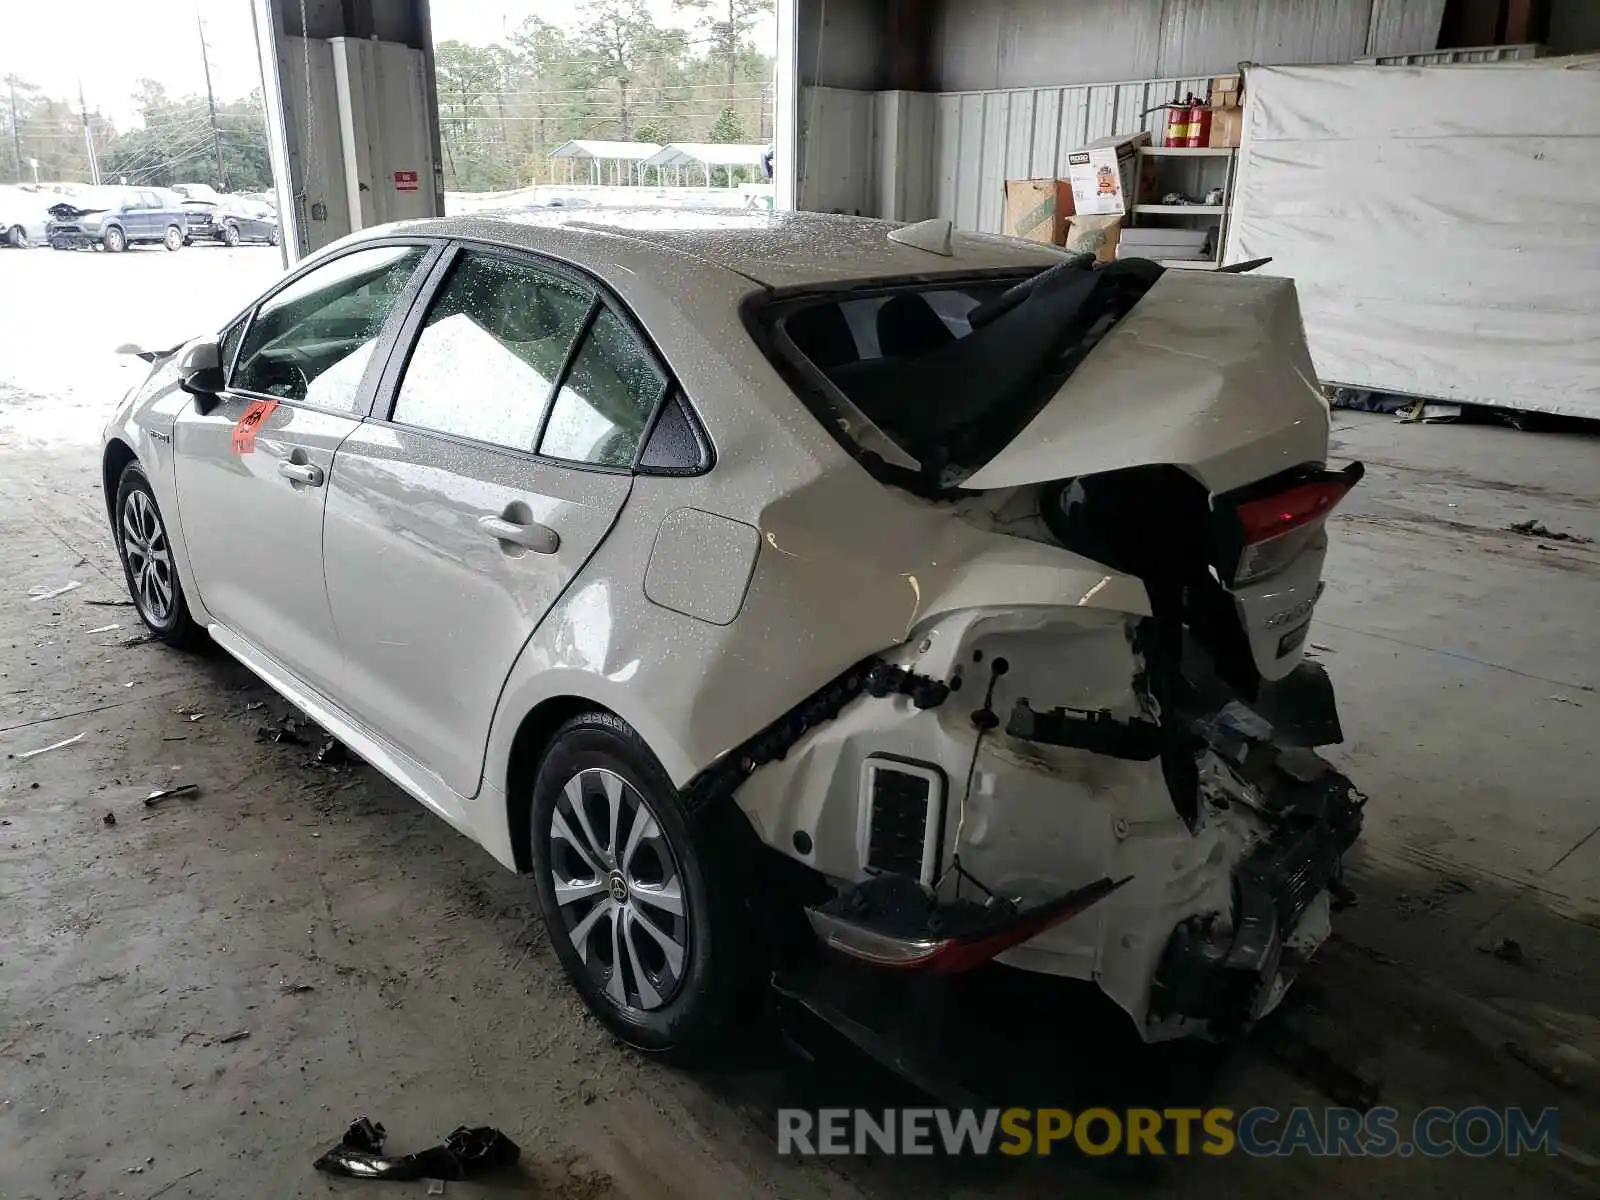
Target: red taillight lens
(1263,533)
(1270,516)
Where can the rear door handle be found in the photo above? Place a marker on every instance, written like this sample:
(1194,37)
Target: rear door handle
(307,473)
(541,539)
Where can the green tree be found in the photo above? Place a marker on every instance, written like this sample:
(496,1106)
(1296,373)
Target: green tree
(727,25)
(727,128)
(622,42)
(175,143)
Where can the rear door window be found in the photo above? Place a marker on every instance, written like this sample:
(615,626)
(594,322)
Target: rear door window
(605,403)
(493,346)
(311,341)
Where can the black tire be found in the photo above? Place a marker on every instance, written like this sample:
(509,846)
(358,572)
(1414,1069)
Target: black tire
(114,240)
(137,515)
(230,235)
(715,985)
(173,239)
(272,238)
(17,237)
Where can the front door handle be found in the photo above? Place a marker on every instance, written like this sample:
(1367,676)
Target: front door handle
(541,539)
(307,473)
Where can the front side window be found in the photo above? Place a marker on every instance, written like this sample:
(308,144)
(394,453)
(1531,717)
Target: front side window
(311,341)
(605,403)
(490,352)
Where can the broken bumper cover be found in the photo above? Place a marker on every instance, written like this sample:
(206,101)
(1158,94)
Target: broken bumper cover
(70,237)
(1229,974)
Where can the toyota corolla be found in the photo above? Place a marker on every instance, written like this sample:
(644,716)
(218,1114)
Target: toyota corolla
(785,584)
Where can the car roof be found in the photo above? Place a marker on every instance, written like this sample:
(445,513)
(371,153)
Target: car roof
(776,249)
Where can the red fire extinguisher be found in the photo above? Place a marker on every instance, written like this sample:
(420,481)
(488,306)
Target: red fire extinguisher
(1177,123)
(1199,123)
(1188,122)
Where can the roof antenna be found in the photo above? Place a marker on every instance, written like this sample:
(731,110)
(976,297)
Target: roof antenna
(932,236)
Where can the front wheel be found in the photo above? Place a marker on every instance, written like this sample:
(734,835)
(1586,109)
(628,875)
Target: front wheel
(173,238)
(230,235)
(114,240)
(643,902)
(148,565)
(17,237)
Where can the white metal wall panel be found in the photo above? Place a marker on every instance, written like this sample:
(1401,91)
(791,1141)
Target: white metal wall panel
(981,139)
(989,44)
(838,151)
(1442,58)
(1403,26)
(1204,37)
(1007,44)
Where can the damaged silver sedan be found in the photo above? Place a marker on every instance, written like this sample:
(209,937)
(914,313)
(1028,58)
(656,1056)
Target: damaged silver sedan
(783,588)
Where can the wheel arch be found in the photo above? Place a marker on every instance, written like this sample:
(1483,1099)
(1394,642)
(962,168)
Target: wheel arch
(534,734)
(118,454)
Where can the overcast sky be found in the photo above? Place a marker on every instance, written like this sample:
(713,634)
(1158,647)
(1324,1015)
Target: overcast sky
(41,46)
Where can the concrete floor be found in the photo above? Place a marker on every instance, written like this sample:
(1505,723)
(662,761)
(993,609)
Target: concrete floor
(378,963)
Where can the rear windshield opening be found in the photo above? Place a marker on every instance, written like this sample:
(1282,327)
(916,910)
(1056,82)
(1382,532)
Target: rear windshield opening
(937,377)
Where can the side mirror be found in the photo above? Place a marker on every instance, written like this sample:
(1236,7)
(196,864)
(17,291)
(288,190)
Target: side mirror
(200,372)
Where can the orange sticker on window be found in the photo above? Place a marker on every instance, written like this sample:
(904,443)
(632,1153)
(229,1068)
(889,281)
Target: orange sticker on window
(244,433)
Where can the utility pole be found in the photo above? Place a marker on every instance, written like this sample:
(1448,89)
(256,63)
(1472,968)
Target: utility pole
(211,103)
(88,138)
(16,138)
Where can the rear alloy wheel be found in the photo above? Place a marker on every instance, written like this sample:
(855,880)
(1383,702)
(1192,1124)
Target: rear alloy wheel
(642,901)
(230,234)
(173,238)
(114,240)
(17,237)
(148,565)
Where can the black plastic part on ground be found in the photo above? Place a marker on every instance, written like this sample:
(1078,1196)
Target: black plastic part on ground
(462,1155)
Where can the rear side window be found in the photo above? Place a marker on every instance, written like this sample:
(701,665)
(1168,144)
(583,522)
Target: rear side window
(491,350)
(311,341)
(604,405)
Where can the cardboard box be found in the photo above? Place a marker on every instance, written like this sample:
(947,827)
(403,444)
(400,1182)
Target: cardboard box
(1102,175)
(1037,209)
(1227,124)
(1227,91)
(1096,235)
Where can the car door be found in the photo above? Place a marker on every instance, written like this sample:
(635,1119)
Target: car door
(252,471)
(130,215)
(461,511)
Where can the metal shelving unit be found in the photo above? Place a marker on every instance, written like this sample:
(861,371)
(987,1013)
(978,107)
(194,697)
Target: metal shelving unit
(1193,171)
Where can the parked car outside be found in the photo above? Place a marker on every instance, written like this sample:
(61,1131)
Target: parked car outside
(784,588)
(114,218)
(231,221)
(24,216)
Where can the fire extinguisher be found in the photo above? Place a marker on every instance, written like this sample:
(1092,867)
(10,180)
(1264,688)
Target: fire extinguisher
(1177,123)
(1199,123)
(1188,122)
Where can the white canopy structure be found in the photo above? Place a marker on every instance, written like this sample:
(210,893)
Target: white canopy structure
(707,155)
(598,153)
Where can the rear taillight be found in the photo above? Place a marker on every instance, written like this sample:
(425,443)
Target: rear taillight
(1275,522)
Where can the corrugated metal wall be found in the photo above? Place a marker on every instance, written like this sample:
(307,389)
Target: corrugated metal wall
(1440,58)
(1403,26)
(981,139)
(1007,44)
(838,150)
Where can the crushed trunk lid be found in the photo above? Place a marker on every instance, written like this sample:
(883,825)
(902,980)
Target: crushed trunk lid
(1209,373)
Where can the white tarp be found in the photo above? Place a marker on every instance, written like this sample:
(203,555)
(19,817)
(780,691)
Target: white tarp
(1442,224)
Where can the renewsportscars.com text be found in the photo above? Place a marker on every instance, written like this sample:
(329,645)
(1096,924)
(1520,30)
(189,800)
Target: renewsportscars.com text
(1262,1132)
